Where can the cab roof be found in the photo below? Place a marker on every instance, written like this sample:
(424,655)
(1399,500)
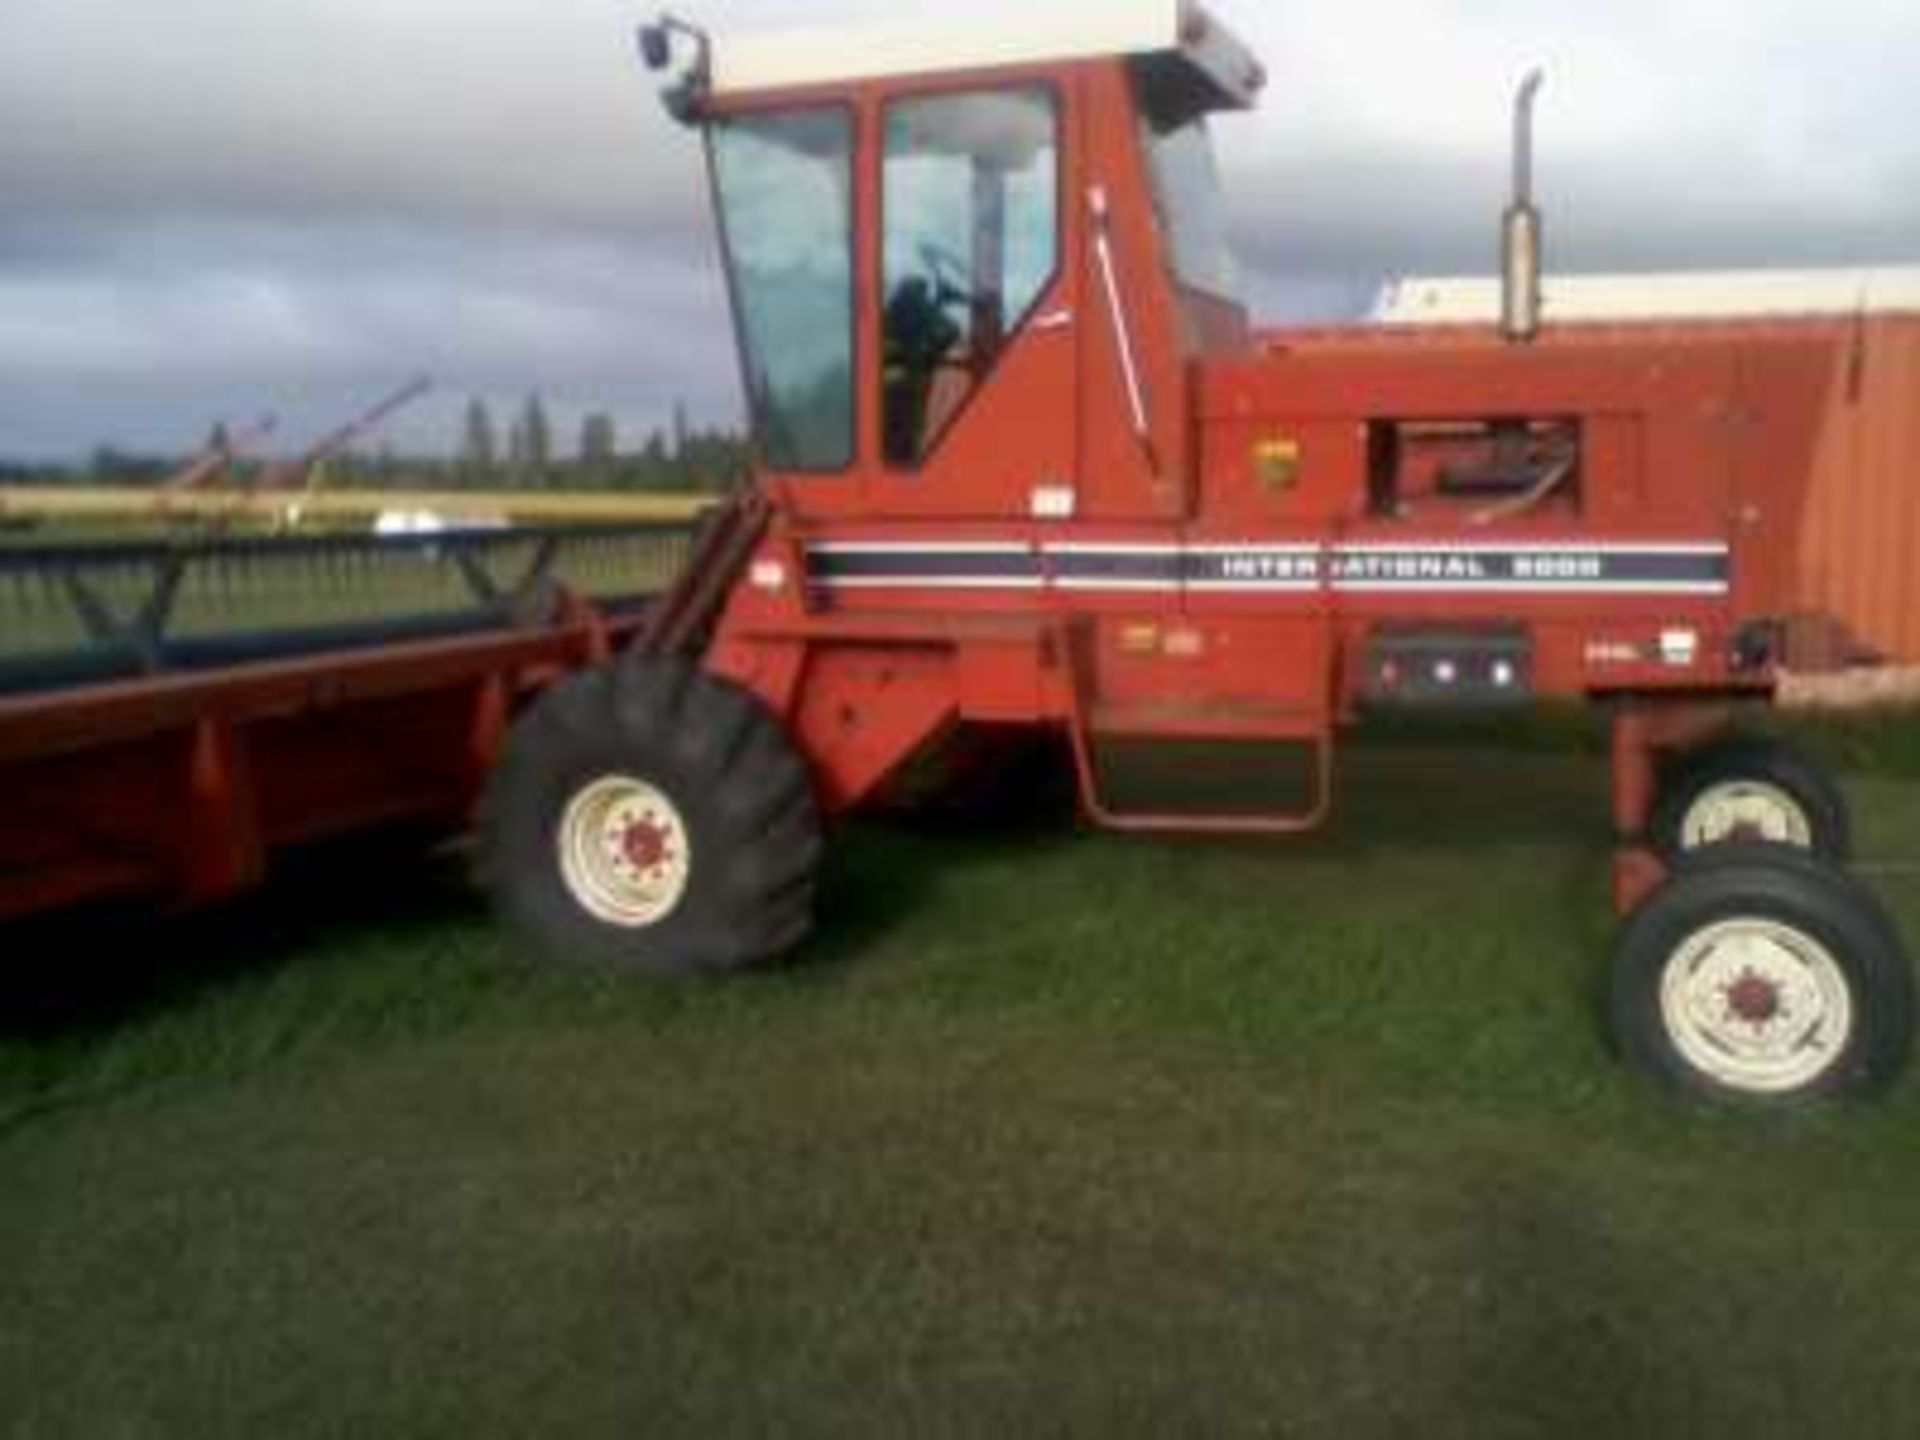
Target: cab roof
(1042,33)
(1680,295)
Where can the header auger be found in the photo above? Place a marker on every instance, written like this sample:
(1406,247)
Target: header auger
(1026,462)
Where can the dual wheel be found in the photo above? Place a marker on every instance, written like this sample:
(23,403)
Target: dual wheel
(1762,972)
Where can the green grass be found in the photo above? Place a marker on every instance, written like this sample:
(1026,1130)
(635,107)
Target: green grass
(1048,1134)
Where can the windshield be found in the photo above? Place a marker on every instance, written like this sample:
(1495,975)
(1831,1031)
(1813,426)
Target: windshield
(1188,196)
(784,183)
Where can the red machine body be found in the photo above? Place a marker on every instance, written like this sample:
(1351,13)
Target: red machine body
(1149,520)
(1028,466)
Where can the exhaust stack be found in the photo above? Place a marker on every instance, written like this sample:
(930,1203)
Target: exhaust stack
(1523,229)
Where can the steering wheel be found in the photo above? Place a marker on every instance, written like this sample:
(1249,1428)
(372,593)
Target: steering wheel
(949,275)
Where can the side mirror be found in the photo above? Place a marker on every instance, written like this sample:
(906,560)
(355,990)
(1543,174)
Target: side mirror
(656,46)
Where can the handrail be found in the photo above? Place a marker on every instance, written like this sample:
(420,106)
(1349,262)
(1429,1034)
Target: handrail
(78,614)
(1130,371)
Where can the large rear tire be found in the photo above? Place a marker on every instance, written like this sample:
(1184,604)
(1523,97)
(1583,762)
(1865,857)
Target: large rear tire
(1766,977)
(653,818)
(1752,790)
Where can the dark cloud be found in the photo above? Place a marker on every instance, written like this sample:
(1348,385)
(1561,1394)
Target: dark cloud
(226,206)
(144,339)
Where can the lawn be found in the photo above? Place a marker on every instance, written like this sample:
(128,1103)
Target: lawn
(1048,1133)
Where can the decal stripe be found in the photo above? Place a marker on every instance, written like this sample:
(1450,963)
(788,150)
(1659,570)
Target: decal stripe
(1530,568)
(985,565)
(1092,568)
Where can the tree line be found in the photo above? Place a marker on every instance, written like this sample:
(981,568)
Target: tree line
(526,452)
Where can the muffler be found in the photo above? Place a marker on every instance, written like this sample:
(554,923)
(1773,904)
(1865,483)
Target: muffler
(1523,230)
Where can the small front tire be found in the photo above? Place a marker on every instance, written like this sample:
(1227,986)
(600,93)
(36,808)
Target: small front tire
(1765,977)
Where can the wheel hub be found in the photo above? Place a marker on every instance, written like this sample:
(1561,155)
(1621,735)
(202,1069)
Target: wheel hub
(1746,810)
(1754,999)
(624,852)
(1758,1005)
(647,844)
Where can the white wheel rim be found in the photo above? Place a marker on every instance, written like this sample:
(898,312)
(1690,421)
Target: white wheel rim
(1759,1006)
(1746,810)
(624,852)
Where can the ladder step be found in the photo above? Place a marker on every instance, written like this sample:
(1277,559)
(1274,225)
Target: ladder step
(1209,720)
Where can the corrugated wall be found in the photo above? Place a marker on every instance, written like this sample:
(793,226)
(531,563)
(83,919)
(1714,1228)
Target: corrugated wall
(1860,540)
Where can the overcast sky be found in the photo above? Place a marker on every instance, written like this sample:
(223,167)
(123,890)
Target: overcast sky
(224,207)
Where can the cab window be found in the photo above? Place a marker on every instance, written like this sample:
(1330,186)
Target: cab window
(972,222)
(784,182)
(1188,198)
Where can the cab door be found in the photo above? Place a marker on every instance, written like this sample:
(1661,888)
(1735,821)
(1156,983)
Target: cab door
(977,309)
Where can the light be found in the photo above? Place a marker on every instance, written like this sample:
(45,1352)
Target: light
(656,46)
(685,98)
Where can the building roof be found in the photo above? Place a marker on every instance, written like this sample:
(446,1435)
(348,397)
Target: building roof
(982,37)
(1702,295)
